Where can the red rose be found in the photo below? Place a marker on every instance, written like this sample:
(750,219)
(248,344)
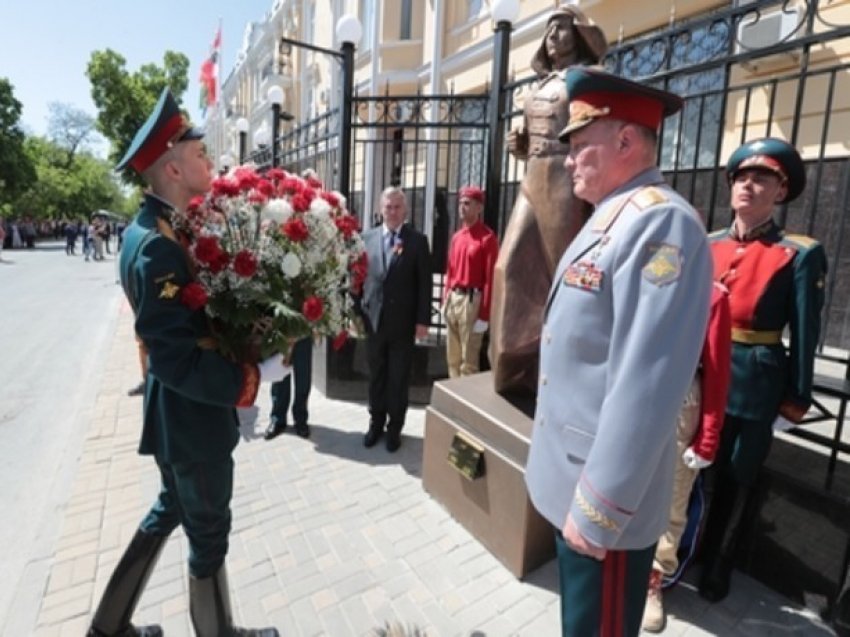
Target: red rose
(246,178)
(225,188)
(219,263)
(300,203)
(313,309)
(347,225)
(290,186)
(194,296)
(339,341)
(245,264)
(195,203)
(313,182)
(331,198)
(265,187)
(207,250)
(257,197)
(359,270)
(308,193)
(296,230)
(276,174)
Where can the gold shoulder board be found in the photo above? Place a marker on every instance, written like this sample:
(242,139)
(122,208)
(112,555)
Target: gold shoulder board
(649,196)
(801,240)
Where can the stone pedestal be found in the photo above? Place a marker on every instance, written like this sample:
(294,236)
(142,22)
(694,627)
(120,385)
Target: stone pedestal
(494,507)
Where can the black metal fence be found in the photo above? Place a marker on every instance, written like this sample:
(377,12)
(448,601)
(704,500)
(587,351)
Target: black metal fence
(762,68)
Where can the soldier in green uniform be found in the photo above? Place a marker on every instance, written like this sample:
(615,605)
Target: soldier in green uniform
(775,280)
(191,391)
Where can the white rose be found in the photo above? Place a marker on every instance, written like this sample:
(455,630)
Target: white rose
(277,210)
(291,265)
(321,209)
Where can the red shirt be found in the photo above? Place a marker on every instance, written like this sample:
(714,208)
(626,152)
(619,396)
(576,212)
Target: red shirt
(716,363)
(472,258)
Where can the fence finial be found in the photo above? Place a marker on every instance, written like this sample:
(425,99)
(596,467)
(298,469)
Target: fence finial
(672,13)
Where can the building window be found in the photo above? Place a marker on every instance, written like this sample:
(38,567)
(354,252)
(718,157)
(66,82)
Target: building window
(406,19)
(474,10)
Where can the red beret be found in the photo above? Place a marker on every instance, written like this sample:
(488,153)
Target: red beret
(472,192)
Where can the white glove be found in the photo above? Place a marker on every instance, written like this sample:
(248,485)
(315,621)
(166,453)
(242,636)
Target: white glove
(479,327)
(782,424)
(693,460)
(273,369)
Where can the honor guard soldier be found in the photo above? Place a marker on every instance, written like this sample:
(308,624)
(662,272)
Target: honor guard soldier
(775,280)
(622,332)
(190,424)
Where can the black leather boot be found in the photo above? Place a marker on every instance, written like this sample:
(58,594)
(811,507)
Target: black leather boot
(717,569)
(116,608)
(209,606)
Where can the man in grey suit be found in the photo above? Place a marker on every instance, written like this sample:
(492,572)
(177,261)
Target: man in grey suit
(622,332)
(396,308)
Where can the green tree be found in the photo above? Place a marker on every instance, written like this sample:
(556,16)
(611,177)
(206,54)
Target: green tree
(16,171)
(124,99)
(63,191)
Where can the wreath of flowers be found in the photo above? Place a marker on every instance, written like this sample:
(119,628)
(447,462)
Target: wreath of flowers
(277,258)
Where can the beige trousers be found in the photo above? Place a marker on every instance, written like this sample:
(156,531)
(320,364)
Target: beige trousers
(666,560)
(463,346)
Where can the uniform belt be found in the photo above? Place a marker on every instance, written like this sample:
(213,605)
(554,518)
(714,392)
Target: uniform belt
(462,290)
(756,337)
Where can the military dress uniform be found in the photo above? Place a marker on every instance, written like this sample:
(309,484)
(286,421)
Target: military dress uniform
(190,425)
(775,281)
(622,333)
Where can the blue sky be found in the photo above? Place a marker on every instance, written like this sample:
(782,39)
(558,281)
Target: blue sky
(45,45)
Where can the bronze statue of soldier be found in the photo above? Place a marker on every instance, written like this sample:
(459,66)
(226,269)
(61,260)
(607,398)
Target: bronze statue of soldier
(546,216)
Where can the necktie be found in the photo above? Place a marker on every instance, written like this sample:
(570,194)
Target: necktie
(388,251)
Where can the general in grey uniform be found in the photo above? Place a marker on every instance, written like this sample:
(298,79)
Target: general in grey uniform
(623,328)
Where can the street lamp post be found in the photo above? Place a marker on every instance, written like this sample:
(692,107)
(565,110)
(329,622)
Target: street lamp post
(225,162)
(348,32)
(261,140)
(275,97)
(504,13)
(242,125)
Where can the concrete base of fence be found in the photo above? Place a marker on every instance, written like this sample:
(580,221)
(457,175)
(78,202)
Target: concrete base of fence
(344,374)
(799,544)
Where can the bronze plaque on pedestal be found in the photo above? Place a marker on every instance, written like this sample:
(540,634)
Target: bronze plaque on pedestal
(476,446)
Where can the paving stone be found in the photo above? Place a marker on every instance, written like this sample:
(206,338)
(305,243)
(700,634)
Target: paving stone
(329,538)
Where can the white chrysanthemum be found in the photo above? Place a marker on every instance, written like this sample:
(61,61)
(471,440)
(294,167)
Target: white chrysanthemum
(277,210)
(320,208)
(291,265)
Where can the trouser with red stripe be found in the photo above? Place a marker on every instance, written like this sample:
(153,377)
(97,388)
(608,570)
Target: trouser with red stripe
(602,598)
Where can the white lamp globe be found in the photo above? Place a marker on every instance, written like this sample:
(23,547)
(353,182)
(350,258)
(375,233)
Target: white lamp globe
(242,125)
(225,161)
(275,95)
(505,11)
(348,29)
(262,136)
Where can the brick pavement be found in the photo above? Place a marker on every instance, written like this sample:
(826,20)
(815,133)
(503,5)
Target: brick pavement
(329,538)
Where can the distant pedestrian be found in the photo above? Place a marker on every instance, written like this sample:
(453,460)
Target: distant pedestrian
(70,239)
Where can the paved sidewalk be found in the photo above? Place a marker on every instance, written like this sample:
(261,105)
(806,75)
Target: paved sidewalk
(329,538)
